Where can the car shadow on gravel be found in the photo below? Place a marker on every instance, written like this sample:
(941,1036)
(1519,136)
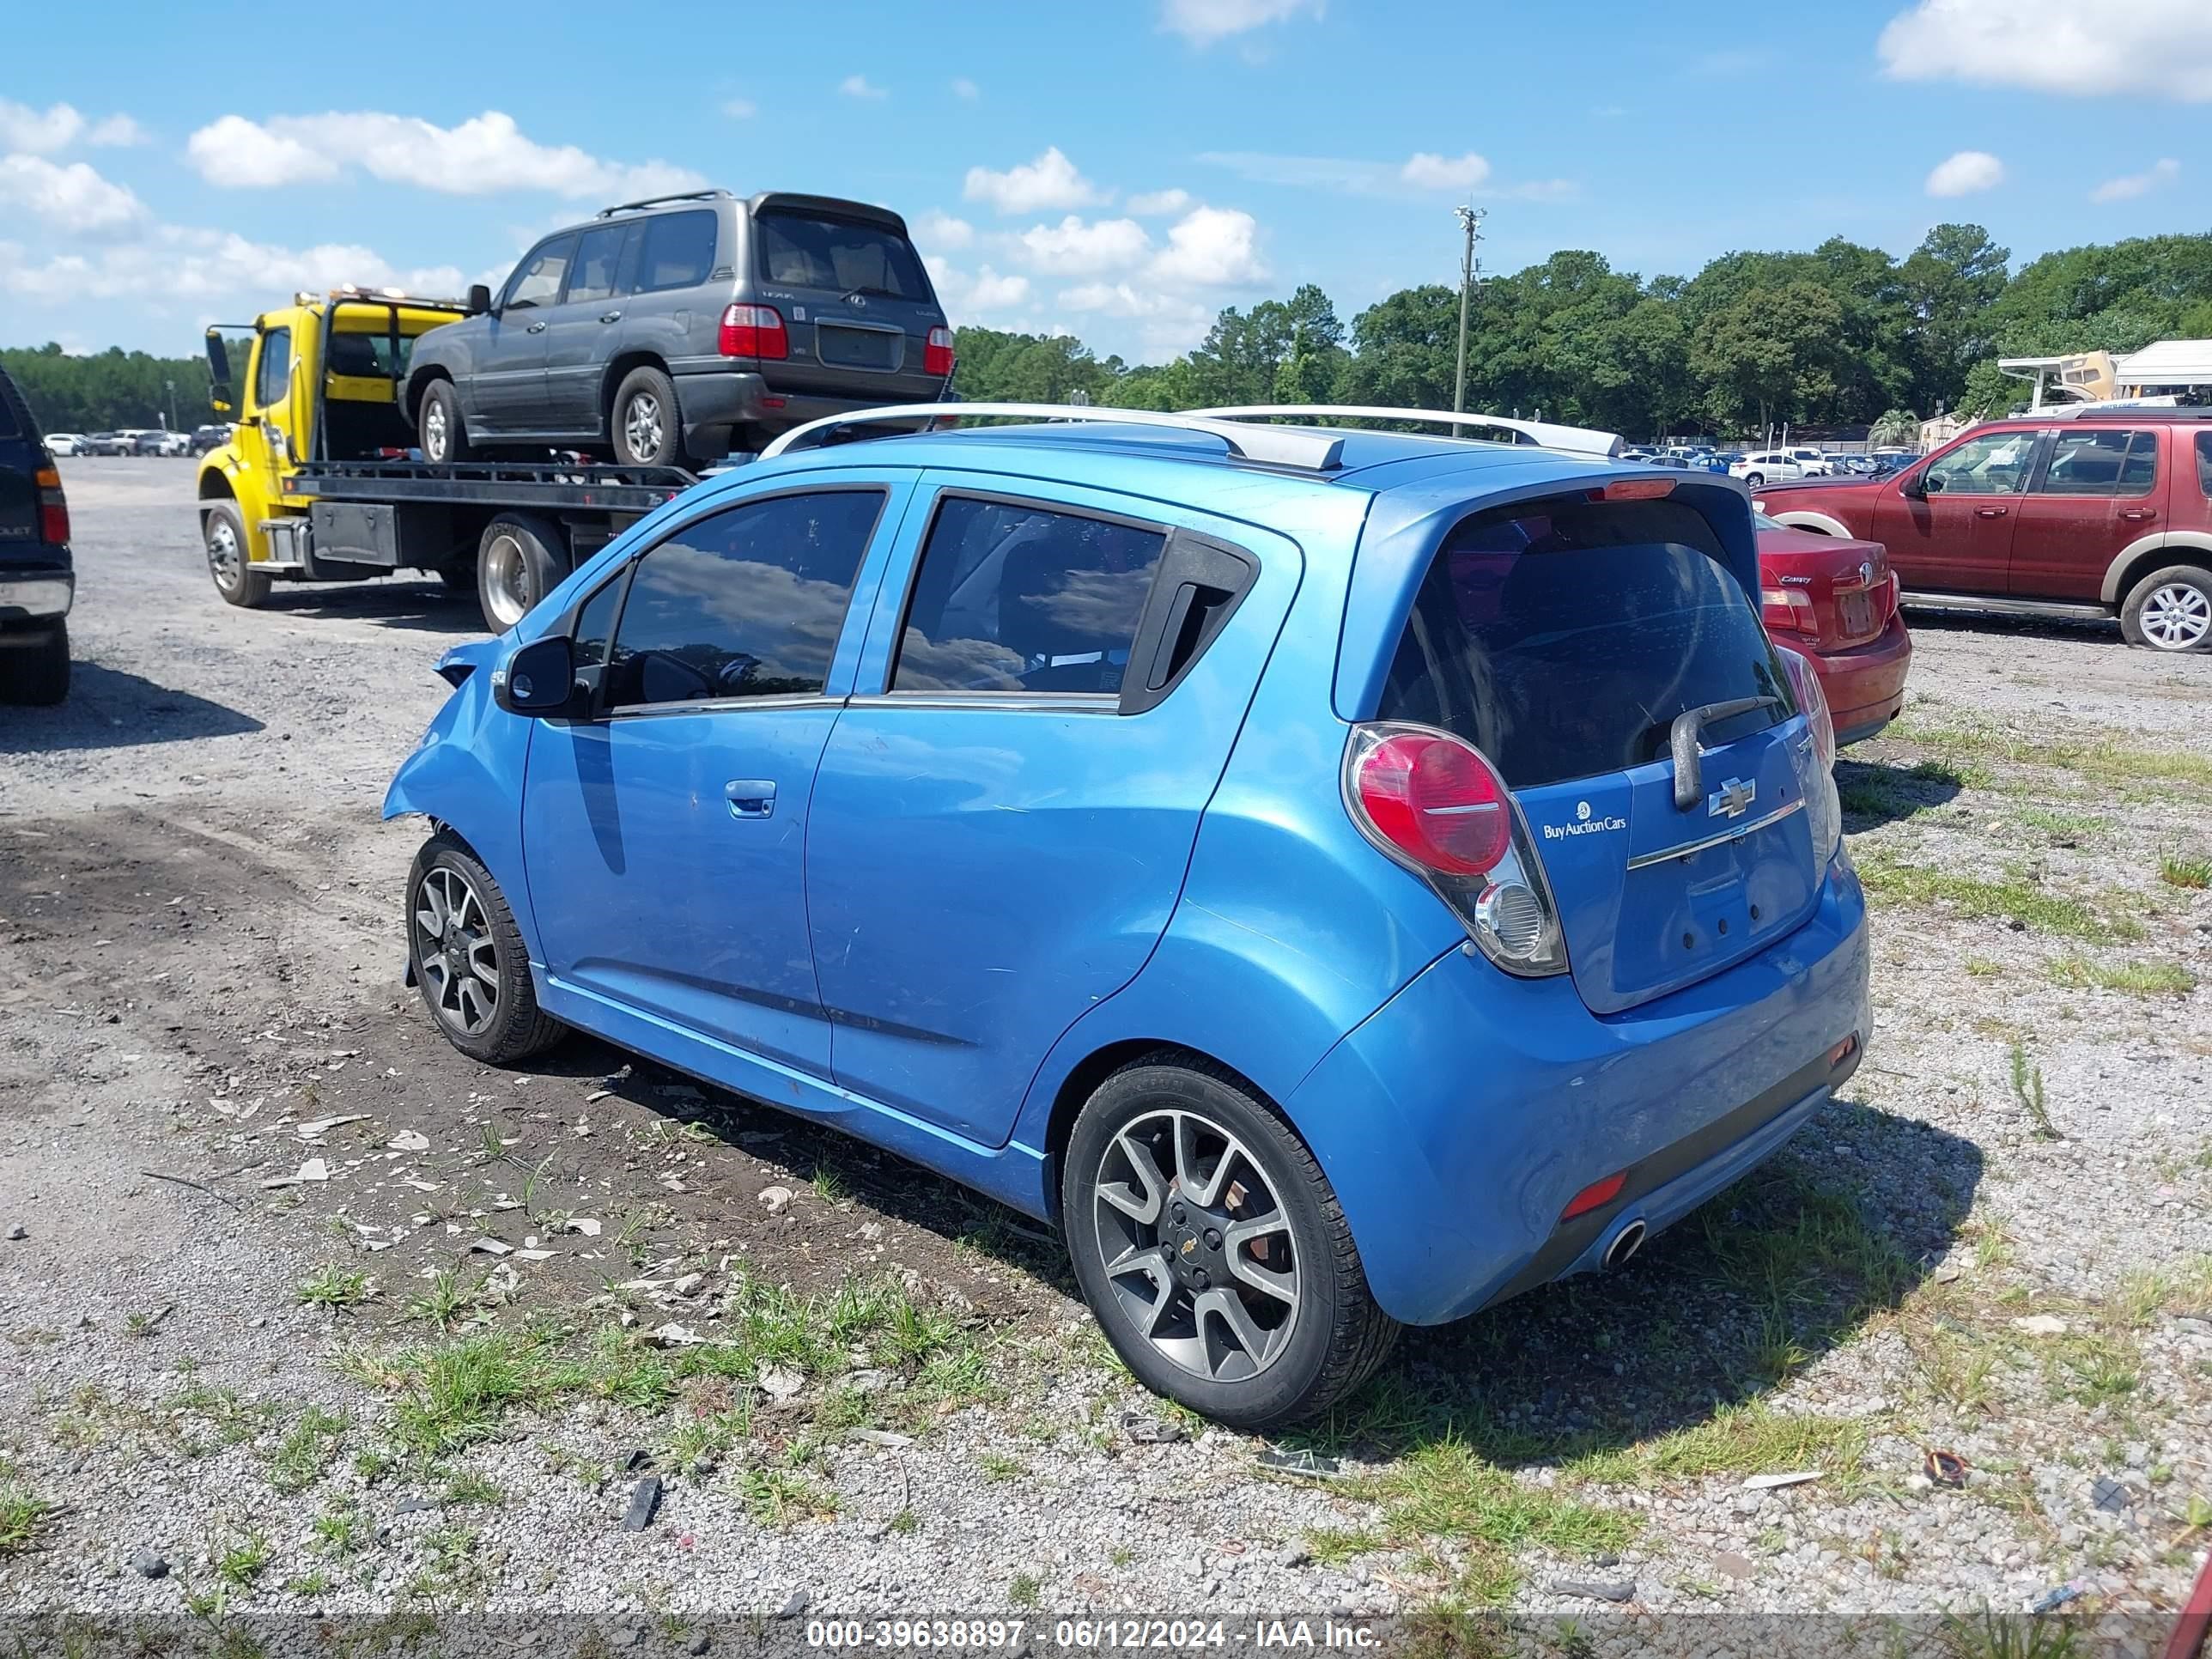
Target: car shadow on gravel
(422,607)
(1710,1318)
(108,708)
(1879,792)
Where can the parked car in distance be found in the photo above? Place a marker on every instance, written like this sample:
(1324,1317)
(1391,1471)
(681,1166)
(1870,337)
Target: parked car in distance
(1835,600)
(106,443)
(157,441)
(1768,463)
(204,439)
(37,578)
(671,330)
(64,443)
(2093,514)
(1811,463)
(1260,848)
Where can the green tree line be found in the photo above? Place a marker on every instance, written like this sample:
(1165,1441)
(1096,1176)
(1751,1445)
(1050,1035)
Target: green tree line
(108,389)
(1844,336)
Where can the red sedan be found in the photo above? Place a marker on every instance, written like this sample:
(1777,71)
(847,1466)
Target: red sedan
(1835,600)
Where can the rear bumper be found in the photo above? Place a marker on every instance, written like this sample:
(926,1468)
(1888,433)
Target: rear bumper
(35,597)
(716,401)
(1457,1122)
(1865,684)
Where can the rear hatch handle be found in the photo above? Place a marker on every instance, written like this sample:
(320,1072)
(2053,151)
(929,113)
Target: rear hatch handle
(1683,737)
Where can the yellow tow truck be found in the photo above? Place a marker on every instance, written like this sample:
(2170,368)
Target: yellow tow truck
(319,481)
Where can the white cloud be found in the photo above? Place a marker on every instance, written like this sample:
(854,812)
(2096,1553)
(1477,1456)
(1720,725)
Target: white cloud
(484,154)
(40,133)
(1159,202)
(1050,182)
(2129,185)
(115,133)
(180,262)
(858,86)
(963,87)
(1427,171)
(740,109)
(1073,248)
(1211,247)
(1202,22)
(2157,48)
(1963,174)
(71,196)
(937,230)
(984,295)
(1170,323)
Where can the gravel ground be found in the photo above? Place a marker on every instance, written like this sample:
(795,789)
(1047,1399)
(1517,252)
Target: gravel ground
(315,1314)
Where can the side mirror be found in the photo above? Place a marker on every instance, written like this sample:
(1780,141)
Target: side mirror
(479,298)
(538,680)
(1918,485)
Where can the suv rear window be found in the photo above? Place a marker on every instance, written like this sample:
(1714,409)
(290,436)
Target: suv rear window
(13,424)
(1563,636)
(809,251)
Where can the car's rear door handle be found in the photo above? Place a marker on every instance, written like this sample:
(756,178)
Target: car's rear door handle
(1990,512)
(535,328)
(750,798)
(2139,515)
(610,317)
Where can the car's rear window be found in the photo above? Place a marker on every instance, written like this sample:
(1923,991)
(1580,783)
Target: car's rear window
(1563,637)
(14,415)
(811,250)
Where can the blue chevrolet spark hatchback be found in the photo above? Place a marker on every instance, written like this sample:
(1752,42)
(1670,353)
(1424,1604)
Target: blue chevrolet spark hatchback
(1343,879)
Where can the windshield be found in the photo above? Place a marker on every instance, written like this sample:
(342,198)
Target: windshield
(1563,637)
(809,251)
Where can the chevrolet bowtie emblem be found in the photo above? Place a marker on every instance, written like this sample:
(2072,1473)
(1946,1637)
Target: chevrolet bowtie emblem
(1732,799)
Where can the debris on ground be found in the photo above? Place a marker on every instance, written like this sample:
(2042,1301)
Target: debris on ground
(644,1501)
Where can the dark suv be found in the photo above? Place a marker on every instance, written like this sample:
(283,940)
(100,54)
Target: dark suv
(685,326)
(37,580)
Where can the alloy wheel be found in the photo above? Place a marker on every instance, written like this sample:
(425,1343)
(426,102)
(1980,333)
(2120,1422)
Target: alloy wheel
(1196,1246)
(434,430)
(2176,617)
(641,424)
(454,951)
(226,560)
(507,592)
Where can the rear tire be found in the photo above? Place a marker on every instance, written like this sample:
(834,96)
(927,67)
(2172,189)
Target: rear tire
(469,963)
(1754,479)
(222,528)
(520,561)
(439,427)
(644,423)
(2170,609)
(1242,1296)
(37,675)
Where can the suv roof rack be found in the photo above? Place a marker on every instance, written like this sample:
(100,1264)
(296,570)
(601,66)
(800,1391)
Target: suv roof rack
(1308,451)
(657,201)
(2118,409)
(1576,439)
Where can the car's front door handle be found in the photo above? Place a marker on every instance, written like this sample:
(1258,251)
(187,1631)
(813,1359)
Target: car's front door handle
(2140,514)
(610,317)
(1990,512)
(535,328)
(750,798)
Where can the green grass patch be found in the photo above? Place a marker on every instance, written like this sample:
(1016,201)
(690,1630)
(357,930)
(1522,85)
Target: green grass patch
(782,1498)
(1740,1440)
(25,1517)
(2011,898)
(452,1395)
(2098,758)
(307,1450)
(334,1287)
(2142,979)
(2062,826)
(240,1561)
(2176,870)
(2026,1080)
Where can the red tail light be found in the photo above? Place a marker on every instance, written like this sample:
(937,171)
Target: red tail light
(753,331)
(53,508)
(1596,1193)
(1789,609)
(937,354)
(1435,799)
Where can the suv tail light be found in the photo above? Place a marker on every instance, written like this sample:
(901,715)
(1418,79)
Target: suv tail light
(937,353)
(53,508)
(1816,761)
(752,331)
(1434,802)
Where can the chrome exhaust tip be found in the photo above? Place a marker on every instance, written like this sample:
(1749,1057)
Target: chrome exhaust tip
(1626,1243)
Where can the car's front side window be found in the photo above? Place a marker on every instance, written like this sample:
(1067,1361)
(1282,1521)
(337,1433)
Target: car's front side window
(744,603)
(537,280)
(1995,464)
(1016,596)
(2101,462)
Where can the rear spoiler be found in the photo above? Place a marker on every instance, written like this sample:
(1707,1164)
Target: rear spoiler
(831,206)
(1546,434)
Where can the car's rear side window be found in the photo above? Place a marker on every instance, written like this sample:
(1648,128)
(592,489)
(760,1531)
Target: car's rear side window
(2100,461)
(744,603)
(1563,637)
(679,250)
(2204,462)
(811,250)
(1013,596)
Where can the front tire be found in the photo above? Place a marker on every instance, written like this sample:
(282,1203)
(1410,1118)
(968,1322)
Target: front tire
(469,962)
(2170,609)
(222,528)
(647,429)
(438,425)
(37,675)
(1212,1249)
(1754,479)
(518,562)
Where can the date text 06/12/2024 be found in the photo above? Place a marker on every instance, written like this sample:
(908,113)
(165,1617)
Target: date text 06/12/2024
(1090,1635)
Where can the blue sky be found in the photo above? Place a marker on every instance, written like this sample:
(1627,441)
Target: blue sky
(1120,170)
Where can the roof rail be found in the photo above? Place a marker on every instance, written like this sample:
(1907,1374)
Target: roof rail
(1310,452)
(1577,440)
(656,201)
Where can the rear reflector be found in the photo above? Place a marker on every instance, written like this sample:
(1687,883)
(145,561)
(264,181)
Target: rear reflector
(753,331)
(1634,489)
(1434,799)
(937,354)
(1596,1193)
(1842,1051)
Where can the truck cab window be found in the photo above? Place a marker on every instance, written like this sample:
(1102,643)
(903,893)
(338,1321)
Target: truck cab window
(272,378)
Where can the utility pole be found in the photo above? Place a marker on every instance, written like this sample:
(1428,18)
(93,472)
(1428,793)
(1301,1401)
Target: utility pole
(1470,221)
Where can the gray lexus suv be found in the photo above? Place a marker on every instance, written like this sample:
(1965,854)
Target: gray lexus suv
(680,328)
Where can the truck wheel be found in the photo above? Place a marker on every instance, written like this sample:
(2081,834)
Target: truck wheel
(2170,609)
(647,430)
(37,675)
(520,561)
(438,423)
(235,578)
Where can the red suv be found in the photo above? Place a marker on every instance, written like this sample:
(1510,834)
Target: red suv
(2099,513)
